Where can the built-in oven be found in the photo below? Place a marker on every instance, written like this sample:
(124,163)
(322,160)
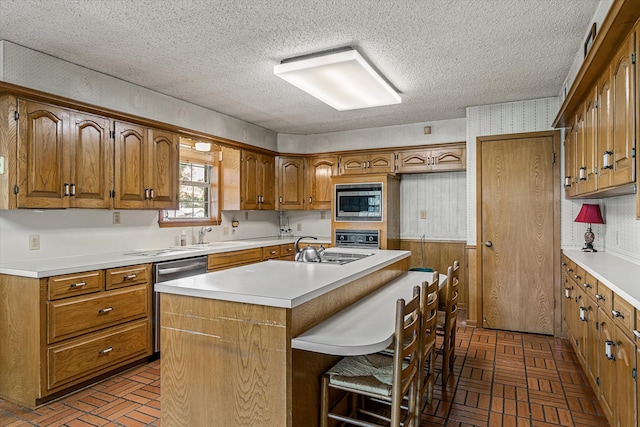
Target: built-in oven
(171,270)
(360,239)
(358,202)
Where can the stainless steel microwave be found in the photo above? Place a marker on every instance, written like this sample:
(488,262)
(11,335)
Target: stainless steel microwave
(358,202)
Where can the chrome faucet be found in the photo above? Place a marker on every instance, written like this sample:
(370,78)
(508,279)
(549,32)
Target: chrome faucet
(201,234)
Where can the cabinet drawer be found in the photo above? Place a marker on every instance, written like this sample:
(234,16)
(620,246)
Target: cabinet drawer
(604,297)
(127,276)
(86,356)
(589,285)
(624,314)
(75,316)
(270,252)
(287,251)
(232,259)
(71,285)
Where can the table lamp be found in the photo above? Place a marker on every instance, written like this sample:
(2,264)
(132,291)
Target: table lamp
(589,214)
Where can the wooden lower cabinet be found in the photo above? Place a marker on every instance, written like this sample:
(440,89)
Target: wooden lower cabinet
(224,260)
(62,332)
(603,342)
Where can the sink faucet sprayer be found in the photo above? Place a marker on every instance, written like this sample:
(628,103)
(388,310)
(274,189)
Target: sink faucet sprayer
(201,233)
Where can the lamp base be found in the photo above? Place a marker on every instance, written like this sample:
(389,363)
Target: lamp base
(588,241)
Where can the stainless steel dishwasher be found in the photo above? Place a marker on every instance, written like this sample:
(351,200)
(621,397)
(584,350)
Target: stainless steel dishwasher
(171,270)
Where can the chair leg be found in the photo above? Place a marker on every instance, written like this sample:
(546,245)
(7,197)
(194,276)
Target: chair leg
(324,402)
(431,380)
(452,351)
(445,358)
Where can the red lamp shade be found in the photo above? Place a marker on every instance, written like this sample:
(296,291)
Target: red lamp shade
(590,214)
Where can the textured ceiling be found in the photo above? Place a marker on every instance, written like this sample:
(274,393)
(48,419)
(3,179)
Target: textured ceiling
(442,55)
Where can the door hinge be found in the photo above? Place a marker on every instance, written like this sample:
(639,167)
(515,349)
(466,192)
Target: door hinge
(554,159)
(16,115)
(634,374)
(597,326)
(633,152)
(112,134)
(595,104)
(16,189)
(598,381)
(633,58)
(112,194)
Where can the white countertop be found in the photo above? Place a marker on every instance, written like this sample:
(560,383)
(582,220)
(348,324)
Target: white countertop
(277,283)
(370,321)
(48,267)
(622,276)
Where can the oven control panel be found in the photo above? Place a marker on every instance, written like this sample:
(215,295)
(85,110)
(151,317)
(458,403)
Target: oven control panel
(357,239)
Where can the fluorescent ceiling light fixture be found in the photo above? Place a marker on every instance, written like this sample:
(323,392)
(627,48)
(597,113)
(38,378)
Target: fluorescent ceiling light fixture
(344,80)
(202,146)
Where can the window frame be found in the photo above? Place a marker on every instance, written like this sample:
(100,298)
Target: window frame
(188,154)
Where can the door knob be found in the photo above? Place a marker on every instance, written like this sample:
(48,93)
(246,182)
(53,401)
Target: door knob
(488,243)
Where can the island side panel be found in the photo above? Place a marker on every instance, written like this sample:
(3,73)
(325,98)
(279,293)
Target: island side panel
(224,363)
(307,366)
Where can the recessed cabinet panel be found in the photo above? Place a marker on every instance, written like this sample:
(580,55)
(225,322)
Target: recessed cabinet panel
(605,132)
(319,173)
(162,178)
(290,179)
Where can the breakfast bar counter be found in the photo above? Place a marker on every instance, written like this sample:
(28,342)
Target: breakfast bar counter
(226,338)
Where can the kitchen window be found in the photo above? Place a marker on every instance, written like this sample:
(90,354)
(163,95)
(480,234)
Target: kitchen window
(199,188)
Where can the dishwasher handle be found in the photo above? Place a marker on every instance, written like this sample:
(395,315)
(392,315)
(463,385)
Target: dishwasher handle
(188,267)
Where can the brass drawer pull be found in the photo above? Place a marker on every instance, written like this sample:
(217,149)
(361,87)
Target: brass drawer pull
(105,310)
(130,276)
(78,285)
(105,351)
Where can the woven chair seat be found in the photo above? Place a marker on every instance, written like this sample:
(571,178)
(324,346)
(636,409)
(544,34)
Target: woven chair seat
(371,373)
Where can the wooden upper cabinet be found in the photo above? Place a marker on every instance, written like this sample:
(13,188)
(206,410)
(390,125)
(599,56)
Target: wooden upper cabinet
(92,165)
(162,171)
(43,164)
(605,131)
(624,103)
(433,159)
(257,181)
(290,183)
(587,146)
(363,163)
(320,170)
(65,158)
(570,163)
(130,156)
(146,175)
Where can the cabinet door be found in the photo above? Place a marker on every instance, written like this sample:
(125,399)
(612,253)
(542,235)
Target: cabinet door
(92,162)
(267,182)
(590,183)
(591,343)
(249,180)
(605,131)
(625,386)
(570,149)
(353,164)
(581,150)
(623,96)
(381,163)
(131,152)
(319,173)
(582,313)
(448,159)
(290,177)
(43,162)
(162,169)
(414,161)
(607,366)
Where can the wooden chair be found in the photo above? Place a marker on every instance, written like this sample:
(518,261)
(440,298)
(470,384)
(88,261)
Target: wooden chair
(376,376)
(446,323)
(427,341)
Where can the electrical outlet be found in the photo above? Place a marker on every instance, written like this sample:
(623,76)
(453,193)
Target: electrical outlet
(34,242)
(299,227)
(423,214)
(323,214)
(246,216)
(116,218)
(225,230)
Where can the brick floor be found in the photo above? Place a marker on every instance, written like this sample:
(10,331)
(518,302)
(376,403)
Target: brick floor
(500,379)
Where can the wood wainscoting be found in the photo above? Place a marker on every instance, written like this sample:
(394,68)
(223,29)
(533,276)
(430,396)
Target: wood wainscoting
(439,255)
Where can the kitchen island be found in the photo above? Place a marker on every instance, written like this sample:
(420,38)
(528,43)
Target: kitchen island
(227,357)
